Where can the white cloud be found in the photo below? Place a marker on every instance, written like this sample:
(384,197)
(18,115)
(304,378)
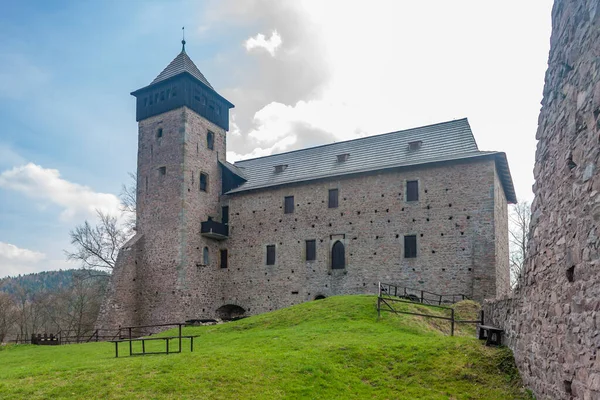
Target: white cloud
(261,42)
(13,253)
(46,186)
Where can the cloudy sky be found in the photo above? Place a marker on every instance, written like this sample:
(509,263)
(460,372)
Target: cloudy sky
(300,73)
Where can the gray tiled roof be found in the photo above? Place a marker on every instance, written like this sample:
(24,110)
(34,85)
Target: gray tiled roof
(446,141)
(180,64)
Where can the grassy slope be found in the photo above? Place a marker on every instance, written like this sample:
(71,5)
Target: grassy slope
(328,349)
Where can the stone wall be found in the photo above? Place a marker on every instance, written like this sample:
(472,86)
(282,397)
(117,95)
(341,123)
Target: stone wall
(552,320)
(454,221)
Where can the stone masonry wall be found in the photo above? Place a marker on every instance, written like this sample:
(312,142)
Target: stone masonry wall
(552,321)
(453,221)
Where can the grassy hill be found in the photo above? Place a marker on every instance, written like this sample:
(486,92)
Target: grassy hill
(329,349)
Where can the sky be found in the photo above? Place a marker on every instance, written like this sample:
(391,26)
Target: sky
(300,73)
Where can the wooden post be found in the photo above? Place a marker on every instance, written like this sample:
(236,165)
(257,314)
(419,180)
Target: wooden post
(452,323)
(192,344)
(440,302)
(396,291)
(167,341)
(421,296)
(143,346)
(379,307)
(482,320)
(130,343)
(180,338)
(116,349)
(379,290)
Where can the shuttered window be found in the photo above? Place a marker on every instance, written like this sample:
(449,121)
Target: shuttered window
(203,182)
(338,256)
(288,204)
(223,258)
(412,190)
(210,140)
(410,246)
(271,254)
(333,198)
(311,250)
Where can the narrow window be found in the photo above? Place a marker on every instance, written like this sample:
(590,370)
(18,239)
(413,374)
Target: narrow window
(333,198)
(410,246)
(412,190)
(225,215)
(289,204)
(159,133)
(271,254)
(311,250)
(203,182)
(210,140)
(223,258)
(338,256)
(205,259)
(162,171)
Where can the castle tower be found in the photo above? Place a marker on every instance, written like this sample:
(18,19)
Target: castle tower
(160,275)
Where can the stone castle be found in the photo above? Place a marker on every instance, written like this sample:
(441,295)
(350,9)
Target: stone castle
(423,208)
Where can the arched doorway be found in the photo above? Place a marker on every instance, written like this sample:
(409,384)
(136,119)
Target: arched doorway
(230,311)
(320,297)
(338,256)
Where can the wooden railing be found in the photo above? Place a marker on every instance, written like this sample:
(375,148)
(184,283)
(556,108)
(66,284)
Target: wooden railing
(422,296)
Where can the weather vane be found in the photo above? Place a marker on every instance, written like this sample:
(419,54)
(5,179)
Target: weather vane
(183,38)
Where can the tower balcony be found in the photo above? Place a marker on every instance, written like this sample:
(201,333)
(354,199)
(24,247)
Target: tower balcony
(214,230)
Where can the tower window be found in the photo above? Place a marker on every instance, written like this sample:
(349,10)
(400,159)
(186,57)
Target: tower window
(210,140)
(223,254)
(288,204)
(412,190)
(159,133)
(338,256)
(410,246)
(311,250)
(162,171)
(205,259)
(271,254)
(203,182)
(333,198)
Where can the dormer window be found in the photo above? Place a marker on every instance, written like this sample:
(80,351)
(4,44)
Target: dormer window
(415,145)
(343,157)
(280,168)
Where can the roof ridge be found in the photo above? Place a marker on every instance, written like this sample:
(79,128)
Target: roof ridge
(364,138)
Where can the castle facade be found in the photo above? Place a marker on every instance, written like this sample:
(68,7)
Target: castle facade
(423,208)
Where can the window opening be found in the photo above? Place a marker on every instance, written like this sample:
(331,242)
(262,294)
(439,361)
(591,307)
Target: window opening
(225,215)
(288,204)
(338,256)
(210,140)
(333,198)
(410,246)
(205,259)
(159,133)
(271,254)
(311,250)
(162,171)
(412,190)
(203,182)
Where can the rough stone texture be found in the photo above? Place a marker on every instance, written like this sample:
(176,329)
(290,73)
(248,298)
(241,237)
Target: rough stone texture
(552,320)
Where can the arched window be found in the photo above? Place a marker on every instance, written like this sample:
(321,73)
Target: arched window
(205,258)
(338,256)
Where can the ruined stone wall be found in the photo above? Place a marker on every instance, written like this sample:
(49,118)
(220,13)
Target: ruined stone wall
(454,221)
(552,320)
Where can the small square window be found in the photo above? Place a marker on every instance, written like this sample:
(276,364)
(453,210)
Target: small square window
(410,246)
(162,171)
(271,254)
(203,182)
(223,254)
(159,133)
(412,190)
(311,250)
(289,204)
(210,140)
(333,198)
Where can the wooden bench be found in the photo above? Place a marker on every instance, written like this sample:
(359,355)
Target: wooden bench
(144,340)
(491,334)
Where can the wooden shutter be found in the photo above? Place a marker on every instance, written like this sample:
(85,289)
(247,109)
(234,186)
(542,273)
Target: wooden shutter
(338,256)
(271,254)
(311,250)
(333,198)
(289,204)
(224,258)
(412,190)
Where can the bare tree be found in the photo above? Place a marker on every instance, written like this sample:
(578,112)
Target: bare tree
(519,218)
(128,201)
(7,315)
(97,247)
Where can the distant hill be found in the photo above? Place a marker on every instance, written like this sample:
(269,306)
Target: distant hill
(44,281)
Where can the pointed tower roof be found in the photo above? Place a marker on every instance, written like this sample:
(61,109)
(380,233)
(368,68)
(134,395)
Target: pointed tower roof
(180,64)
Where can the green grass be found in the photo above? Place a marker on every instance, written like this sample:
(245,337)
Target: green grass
(329,349)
